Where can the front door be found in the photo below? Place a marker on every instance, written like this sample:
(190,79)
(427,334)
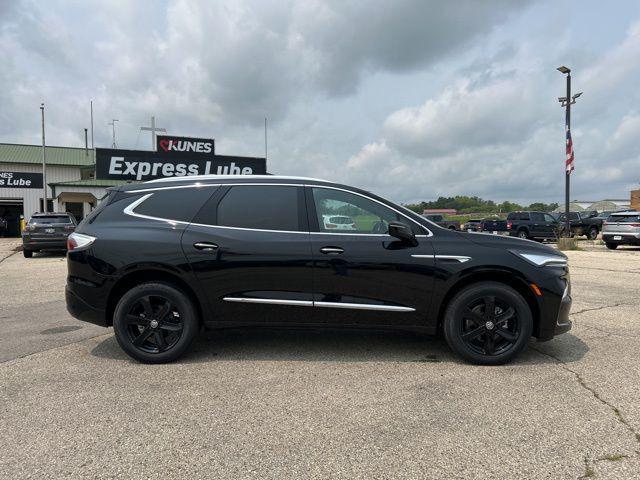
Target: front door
(249,247)
(361,274)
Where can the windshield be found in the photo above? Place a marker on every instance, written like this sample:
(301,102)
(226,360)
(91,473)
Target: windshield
(50,219)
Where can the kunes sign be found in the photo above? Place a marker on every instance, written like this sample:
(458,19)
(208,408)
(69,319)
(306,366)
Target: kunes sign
(178,146)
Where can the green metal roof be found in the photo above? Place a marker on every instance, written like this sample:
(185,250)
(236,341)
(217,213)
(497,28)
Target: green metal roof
(30,154)
(92,182)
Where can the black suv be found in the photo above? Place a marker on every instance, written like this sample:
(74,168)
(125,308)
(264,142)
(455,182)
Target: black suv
(47,231)
(533,225)
(163,259)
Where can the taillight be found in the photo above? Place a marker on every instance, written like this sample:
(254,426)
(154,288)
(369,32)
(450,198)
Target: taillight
(634,224)
(70,227)
(79,241)
(331,225)
(509,225)
(353,225)
(604,224)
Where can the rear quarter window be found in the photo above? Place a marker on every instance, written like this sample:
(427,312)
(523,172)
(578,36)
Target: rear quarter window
(624,218)
(180,204)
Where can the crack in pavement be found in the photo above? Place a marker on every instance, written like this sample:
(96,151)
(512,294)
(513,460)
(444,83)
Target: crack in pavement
(11,254)
(602,307)
(616,411)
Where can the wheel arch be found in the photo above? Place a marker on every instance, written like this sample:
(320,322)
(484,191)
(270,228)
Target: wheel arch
(498,276)
(137,277)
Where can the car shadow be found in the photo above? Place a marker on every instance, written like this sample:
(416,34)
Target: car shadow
(50,254)
(311,345)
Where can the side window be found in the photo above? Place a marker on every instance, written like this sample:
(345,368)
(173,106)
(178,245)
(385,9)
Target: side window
(549,218)
(180,204)
(344,212)
(263,207)
(574,216)
(512,216)
(524,216)
(537,217)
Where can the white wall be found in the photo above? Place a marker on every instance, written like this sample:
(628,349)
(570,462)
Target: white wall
(31,196)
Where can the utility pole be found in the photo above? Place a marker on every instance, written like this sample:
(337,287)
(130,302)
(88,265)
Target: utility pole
(265,138)
(153,129)
(44,165)
(113,129)
(567,102)
(91,124)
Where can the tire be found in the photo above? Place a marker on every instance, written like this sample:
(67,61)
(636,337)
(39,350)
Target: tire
(611,246)
(175,317)
(451,227)
(466,314)
(523,234)
(27,253)
(592,234)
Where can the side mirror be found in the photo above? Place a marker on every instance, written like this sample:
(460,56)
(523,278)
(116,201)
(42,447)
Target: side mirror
(401,231)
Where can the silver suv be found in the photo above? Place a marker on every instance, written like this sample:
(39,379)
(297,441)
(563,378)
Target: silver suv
(622,228)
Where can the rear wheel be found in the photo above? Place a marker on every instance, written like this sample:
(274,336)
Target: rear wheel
(523,234)
(592,234)
(155,322)
(611,246)
(27,253)
(488,323)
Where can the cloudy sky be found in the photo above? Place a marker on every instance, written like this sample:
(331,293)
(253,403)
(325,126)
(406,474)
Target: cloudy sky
(410,99)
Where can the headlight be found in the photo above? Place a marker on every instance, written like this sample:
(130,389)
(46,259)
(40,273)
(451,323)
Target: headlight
(541,259)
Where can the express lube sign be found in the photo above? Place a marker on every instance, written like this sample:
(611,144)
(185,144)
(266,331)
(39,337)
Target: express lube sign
(20,180)
(176,156)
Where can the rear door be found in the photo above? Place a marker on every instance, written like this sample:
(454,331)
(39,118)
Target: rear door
(365,276)
(249,247)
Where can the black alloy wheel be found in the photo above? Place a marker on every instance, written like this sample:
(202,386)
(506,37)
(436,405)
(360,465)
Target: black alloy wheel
(155,322)
(488,323)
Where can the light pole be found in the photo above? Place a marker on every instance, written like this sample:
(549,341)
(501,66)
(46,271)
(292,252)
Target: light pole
(44,165)
(113,130)
(567,102)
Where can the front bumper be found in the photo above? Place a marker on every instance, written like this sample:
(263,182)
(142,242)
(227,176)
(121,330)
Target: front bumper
(563,323)
(81,310)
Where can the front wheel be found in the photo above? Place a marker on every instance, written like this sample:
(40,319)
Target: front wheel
(488,323)
(155,322)
(592,234)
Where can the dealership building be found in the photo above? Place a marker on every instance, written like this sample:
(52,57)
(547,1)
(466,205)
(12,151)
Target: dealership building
(77,178)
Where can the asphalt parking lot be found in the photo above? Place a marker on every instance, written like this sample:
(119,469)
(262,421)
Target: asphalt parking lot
(274,404)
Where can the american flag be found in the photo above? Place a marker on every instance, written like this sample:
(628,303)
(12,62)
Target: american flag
(570,156)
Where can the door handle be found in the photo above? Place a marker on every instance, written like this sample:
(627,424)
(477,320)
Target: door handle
(332,250)
(205,246)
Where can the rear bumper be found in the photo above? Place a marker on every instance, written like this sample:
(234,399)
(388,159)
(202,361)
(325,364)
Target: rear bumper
(624,238)
(81,310)
(29,243)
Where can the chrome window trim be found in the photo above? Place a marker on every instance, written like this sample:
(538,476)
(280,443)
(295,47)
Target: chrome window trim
(313,303)
(130,209)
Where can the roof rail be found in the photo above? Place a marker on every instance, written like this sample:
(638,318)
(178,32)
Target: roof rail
(231,177)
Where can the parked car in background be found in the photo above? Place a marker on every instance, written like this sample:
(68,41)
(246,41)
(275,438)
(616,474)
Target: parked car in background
(439,220)
(497,225)
(621,228)
(532,225)
(473,225)
(159,263)
(47,231)
(582,223)
(338,222)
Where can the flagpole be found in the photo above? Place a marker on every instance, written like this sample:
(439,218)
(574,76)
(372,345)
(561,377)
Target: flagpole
(567,171)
